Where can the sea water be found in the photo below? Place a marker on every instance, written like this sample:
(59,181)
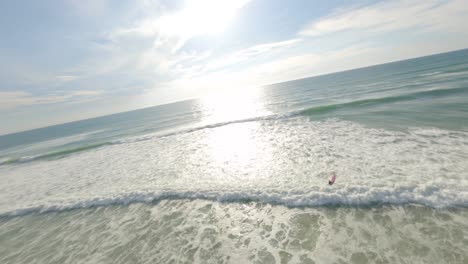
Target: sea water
(242,177)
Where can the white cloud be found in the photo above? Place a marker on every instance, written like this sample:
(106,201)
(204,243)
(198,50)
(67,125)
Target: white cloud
(149,48)
(66,78)
(279,70)
(249,53)
(288,68)
(198,17)
(194,64)
(442,15)
(12,99)
(20,98)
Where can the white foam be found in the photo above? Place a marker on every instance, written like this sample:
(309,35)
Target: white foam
(274,161)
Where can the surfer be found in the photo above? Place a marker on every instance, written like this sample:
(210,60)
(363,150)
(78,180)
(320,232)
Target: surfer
(332,179)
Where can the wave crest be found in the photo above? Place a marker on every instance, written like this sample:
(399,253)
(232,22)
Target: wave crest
(355,196)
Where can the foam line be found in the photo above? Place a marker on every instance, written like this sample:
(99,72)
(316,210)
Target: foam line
(346,196)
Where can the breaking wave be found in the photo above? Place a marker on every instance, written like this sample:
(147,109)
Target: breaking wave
(354,196)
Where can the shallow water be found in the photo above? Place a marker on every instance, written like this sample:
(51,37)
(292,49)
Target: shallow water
(197,231)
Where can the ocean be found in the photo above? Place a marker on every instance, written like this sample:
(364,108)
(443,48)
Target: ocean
(242,176)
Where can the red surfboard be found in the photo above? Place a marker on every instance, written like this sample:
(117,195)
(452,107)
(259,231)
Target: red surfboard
(332,179)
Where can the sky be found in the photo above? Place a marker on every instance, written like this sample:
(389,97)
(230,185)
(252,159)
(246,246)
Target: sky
(66,60)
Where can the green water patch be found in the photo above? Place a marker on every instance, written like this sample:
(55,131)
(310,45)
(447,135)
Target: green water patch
(383,100)
(53,155)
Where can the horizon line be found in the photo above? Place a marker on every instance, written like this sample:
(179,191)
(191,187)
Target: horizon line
(256,87)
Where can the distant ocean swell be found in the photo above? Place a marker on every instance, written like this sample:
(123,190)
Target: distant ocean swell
(317,110)
(383,100)
(51,155)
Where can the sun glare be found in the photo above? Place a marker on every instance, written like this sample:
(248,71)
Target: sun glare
(234,145)
(233,105)
(201,17)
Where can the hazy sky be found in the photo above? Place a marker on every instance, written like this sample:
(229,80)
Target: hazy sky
(72,59)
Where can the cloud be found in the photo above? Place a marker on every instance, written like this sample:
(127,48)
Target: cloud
(149,50)
(442,15)
(150,47)
(272,71)
(251,52)
(303,65)
(14,99)
(67,78)
(193,64)
(198,17)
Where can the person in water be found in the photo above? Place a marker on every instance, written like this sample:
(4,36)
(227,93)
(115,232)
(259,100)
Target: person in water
(332,179)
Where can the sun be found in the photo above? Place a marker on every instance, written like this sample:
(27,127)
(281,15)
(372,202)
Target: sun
(201,17)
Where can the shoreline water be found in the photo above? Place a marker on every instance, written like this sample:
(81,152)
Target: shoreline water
(194,231)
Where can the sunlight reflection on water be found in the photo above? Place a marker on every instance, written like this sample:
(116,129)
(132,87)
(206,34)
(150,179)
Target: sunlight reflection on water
(232,106)
(236,147)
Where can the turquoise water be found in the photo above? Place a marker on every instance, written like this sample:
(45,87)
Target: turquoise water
(242,177)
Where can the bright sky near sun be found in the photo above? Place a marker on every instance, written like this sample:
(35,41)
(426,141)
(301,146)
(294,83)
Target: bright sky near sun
(64,60)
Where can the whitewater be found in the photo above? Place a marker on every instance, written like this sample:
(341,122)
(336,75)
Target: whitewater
(287,162)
